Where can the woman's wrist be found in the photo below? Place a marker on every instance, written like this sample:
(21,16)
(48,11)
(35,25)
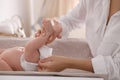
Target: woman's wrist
(82,64)
(68,62)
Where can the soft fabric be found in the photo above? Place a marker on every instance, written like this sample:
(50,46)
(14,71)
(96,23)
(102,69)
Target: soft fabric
(29,66)
(68,47)
(103,38)
(8,42)
(74,48)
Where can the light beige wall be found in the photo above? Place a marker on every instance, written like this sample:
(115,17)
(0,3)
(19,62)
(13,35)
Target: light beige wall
(51,8)
(31,10)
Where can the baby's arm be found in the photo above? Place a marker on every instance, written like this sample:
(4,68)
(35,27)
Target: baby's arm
(31,48)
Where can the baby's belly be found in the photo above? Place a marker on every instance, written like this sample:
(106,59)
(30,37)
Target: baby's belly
(12,57)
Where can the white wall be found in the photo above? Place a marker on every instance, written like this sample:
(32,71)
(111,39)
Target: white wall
(51,8)
(9,8)
(31,10)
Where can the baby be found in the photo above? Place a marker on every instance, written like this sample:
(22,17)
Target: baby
(27,58)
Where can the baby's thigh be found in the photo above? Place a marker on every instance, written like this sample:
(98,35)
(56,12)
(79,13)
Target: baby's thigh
(4,66)
(12,57)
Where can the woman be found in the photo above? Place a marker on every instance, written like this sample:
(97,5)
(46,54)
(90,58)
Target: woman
(102,20)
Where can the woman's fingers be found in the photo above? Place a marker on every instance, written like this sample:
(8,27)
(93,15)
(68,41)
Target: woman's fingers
(37,34)
(54,63)
(54,30)
(39,68)
(55,22)
(44,65)
(58,29)
(59,36)
(46,59)
(45,20)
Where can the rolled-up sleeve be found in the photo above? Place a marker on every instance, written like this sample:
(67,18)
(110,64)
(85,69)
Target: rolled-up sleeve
(107,59)
(73,19)
(107,65)
(99,65)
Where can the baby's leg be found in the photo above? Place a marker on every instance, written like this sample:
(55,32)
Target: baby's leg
(4,66)
(2,50)
(10,59)
(31,48)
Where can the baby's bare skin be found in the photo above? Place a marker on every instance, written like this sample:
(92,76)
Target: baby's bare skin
(10,58)
(31,48)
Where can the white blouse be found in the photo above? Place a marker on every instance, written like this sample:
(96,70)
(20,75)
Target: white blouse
(103,38)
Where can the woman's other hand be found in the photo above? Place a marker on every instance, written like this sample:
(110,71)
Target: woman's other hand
(37,34)
(57,29)
(54,64)
(59,63)
(45,29)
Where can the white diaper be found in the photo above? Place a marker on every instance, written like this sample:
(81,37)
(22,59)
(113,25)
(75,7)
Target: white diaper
(28,66)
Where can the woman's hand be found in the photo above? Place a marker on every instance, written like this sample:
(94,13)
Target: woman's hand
(53,64)
(45,30)
(59,63)
(37,34)
(57,29)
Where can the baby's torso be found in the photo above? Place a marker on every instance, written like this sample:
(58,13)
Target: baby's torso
(12,57)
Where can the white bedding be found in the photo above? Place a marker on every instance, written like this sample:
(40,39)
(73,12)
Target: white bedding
(74,48)
(45,78)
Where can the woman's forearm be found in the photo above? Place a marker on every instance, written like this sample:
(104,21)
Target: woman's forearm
(59,63)
(83,64)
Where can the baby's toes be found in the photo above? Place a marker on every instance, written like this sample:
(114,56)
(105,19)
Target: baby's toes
(49,28)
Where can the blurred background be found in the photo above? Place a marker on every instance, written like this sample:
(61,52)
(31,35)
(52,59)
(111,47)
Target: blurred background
(29,13)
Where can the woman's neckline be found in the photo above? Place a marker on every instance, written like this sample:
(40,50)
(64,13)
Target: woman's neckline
(113,9)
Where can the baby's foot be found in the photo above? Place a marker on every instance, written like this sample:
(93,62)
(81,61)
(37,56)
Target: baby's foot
(48,28)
